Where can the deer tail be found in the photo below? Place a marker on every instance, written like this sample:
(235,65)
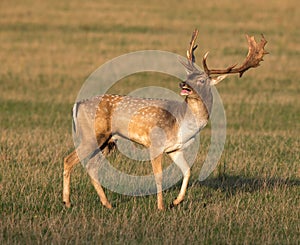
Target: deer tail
(74,116)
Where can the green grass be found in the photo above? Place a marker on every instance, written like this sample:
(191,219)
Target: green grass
(49,48)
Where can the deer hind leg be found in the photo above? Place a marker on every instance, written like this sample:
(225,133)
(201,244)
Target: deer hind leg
(69,162)
(157,170)
(180,161)
(106,144)
(100,193)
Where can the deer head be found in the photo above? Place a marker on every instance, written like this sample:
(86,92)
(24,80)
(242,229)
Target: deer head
(198,82)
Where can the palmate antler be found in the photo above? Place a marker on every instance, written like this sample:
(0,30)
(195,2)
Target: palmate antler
(254,57)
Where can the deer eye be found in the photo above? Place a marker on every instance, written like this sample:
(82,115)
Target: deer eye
(201,81)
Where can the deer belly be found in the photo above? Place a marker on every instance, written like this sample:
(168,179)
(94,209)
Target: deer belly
(148,131)
(132,130)
(179,146)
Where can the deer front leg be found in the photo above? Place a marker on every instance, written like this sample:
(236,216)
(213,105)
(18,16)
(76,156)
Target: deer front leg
(180,161)
(69,162)
(157,170)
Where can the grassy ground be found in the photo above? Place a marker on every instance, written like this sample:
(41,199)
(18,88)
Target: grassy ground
(48,48)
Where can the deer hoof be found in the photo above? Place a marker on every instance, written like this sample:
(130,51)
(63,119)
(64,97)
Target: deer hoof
(162,208)
(107,205)
(67,204)
(172,205)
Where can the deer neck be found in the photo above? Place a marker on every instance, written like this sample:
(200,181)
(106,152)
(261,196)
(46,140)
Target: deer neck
(192,116)
(198,109)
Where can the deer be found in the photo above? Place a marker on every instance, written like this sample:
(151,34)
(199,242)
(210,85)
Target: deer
(143,120)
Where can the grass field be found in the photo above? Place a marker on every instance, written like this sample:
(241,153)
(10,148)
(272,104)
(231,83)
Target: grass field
(49,48)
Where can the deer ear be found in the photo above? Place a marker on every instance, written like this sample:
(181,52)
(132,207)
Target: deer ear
(189,67)
(216,80)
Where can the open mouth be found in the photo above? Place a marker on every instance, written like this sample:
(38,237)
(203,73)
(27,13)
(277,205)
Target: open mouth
(185,90)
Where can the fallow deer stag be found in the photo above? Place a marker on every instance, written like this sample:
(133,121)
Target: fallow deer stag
(137,119)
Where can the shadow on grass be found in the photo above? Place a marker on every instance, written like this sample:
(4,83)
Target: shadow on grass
(231,184)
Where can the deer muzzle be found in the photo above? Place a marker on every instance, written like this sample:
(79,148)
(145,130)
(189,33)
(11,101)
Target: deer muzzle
(185,89)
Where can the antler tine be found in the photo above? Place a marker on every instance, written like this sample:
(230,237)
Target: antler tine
(206,70)
(209,72)
(190,52)
(254,57)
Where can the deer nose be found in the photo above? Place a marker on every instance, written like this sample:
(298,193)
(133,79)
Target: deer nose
(182,84)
